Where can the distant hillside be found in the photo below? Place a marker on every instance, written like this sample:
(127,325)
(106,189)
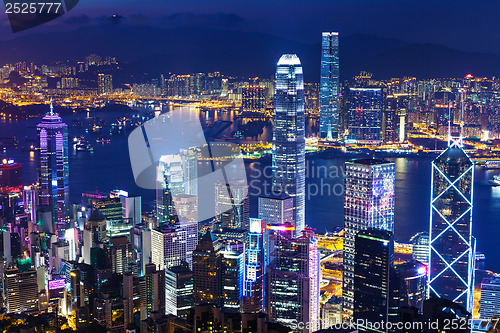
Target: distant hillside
(183,50)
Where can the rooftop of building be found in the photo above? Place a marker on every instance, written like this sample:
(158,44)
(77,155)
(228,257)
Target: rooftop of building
(369,161)
(289,59)
(279,196)
(491,280)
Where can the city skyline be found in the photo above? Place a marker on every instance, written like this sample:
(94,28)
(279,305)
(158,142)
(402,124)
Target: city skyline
(272,163)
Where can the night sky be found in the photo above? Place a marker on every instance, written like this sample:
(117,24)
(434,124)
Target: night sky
(464,25)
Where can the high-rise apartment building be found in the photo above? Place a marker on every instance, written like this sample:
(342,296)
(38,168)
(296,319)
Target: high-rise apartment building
(254,99)
(289,135)
(365,118)
(276,209)
(178,290)
(173,244)
(254,288)
(104,83)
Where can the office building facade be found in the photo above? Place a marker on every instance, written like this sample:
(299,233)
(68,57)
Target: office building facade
(452,247)
(53,170)
(368,203)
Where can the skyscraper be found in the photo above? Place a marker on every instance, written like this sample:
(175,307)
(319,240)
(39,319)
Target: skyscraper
(173,244)
(293,280)
(232,275)
(329,86)
(288,135)
(207,284)
(365,119)
(276,209)
(178,290)
(490,298)
(253,99)
(368,203)
(420,251)
(53,170)
(412,277)
(254,289)
(374,296)
(452,247)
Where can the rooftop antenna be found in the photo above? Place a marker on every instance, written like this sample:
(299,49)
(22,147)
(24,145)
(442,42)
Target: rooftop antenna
(458,141)
(461,139)
(449,123)
(51,107)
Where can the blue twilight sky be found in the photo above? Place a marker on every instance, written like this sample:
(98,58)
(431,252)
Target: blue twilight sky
(466,25)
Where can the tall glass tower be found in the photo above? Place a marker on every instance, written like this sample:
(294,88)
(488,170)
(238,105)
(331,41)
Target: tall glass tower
(53,169)
(368,203)
(329,86)
(451,245)
(288,135)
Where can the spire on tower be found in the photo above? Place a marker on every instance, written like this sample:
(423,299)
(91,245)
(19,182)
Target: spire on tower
(51,107)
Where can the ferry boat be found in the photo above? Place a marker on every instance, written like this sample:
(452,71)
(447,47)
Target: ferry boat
(82,145)
(495,181)
(492,164)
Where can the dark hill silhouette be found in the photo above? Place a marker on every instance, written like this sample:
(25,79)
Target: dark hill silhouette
(156,50)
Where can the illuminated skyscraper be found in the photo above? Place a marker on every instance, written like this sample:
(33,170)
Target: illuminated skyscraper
(53,170)
(207,262)
(365,119)
(452,247)
(254,289)
(253,99)
(293,280)
(276,209)
(329,86)
(368,203)
(420,251)
(176,175)
(288,135)
(232,275)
